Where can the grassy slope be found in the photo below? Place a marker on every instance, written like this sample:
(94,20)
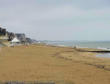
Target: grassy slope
(51,63)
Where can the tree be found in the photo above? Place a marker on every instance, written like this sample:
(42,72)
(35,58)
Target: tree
(10,36)
(3,32)
(0,31)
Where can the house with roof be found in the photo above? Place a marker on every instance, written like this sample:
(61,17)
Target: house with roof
(21,37)
(15,41)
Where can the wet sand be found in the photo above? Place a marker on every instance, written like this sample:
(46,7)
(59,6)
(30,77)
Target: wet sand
(63,65)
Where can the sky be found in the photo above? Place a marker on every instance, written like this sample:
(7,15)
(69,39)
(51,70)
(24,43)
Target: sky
(57,19)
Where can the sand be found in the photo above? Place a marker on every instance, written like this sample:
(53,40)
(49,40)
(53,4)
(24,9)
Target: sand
(63,65)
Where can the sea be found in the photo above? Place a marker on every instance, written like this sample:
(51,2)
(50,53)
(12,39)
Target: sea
(83,44)
(105,45)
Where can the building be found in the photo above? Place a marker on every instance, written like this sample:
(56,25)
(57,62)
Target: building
(28,40)
(21,37)
(15,42)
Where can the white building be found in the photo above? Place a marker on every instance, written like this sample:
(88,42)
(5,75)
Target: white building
(15,41)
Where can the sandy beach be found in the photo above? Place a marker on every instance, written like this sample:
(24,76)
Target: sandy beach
(63,65)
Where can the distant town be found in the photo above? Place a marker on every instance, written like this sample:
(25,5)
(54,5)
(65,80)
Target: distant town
(10,39)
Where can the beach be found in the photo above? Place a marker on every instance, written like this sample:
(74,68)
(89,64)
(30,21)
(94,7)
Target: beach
(63,65)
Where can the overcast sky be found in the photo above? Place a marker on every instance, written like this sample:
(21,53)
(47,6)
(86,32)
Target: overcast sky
(57,19)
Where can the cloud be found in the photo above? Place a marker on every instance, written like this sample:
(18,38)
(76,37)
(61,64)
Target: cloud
(48,19)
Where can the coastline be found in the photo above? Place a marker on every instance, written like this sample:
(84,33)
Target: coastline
(46,62)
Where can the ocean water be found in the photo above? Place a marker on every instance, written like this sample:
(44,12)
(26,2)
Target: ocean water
(86,44)
(105,45)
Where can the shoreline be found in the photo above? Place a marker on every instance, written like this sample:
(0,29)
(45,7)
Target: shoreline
(83,49)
